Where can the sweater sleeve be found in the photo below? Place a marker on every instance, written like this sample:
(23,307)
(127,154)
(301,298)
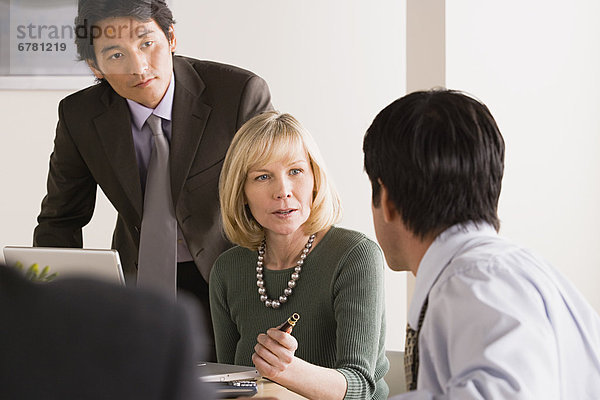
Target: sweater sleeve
(226,333)
(359,311)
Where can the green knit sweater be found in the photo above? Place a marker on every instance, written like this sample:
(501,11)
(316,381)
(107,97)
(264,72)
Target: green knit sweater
(339,297)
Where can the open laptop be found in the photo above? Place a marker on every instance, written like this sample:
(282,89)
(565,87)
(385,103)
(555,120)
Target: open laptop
(217,372)
(67,262)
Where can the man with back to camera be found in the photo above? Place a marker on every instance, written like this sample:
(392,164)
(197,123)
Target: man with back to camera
(153,134)
(488,319)
(78,338)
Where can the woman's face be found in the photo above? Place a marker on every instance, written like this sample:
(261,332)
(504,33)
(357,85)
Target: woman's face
(280,193)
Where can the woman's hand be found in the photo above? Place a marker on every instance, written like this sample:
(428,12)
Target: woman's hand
(275,360)
(274,353)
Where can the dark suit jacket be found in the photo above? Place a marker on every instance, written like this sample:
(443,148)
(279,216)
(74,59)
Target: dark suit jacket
(94,145)
(81,339)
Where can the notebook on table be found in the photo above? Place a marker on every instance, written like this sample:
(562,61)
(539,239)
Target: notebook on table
(217,372)
(67,262)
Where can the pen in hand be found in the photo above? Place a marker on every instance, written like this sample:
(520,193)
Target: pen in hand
(288,325)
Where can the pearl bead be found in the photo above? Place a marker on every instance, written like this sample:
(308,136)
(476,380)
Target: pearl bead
(262,291)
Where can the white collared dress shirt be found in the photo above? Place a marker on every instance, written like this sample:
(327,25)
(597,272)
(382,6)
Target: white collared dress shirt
(500,324)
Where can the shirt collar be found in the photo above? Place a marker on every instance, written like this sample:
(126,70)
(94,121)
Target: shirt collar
(437,257)
(140,113)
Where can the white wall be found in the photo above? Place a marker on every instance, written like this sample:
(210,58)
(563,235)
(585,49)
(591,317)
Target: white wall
(536,64)
(29,119)
(333,64)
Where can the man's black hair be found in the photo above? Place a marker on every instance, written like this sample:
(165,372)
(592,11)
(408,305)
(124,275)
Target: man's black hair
(90,12)
(440,155)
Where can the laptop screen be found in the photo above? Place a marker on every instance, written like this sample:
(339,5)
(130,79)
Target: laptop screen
(66,262)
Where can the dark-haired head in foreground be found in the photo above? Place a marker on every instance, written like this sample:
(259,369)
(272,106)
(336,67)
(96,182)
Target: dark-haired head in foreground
(77,338)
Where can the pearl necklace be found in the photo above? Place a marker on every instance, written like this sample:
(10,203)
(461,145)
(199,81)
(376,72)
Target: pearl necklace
(262,290)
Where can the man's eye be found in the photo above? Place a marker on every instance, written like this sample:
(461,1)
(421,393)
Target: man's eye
(148,43)
(116,56)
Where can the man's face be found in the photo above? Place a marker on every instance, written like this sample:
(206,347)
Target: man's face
(135,58)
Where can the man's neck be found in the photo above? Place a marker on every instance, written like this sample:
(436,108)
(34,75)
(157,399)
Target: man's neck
(417,251)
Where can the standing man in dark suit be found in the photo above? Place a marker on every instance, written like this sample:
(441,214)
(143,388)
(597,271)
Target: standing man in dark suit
(104,138)
(82,339)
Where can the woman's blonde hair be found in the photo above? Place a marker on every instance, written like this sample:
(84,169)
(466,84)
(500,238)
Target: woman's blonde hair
(265,138)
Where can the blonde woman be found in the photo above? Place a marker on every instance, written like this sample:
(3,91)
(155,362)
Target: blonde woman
(279,207)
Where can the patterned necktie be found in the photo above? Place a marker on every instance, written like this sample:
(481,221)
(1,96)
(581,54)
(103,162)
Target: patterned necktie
(411,351)
(157,261)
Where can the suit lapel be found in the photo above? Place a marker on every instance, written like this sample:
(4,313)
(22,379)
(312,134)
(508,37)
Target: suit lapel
(114,131)
(190,116)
